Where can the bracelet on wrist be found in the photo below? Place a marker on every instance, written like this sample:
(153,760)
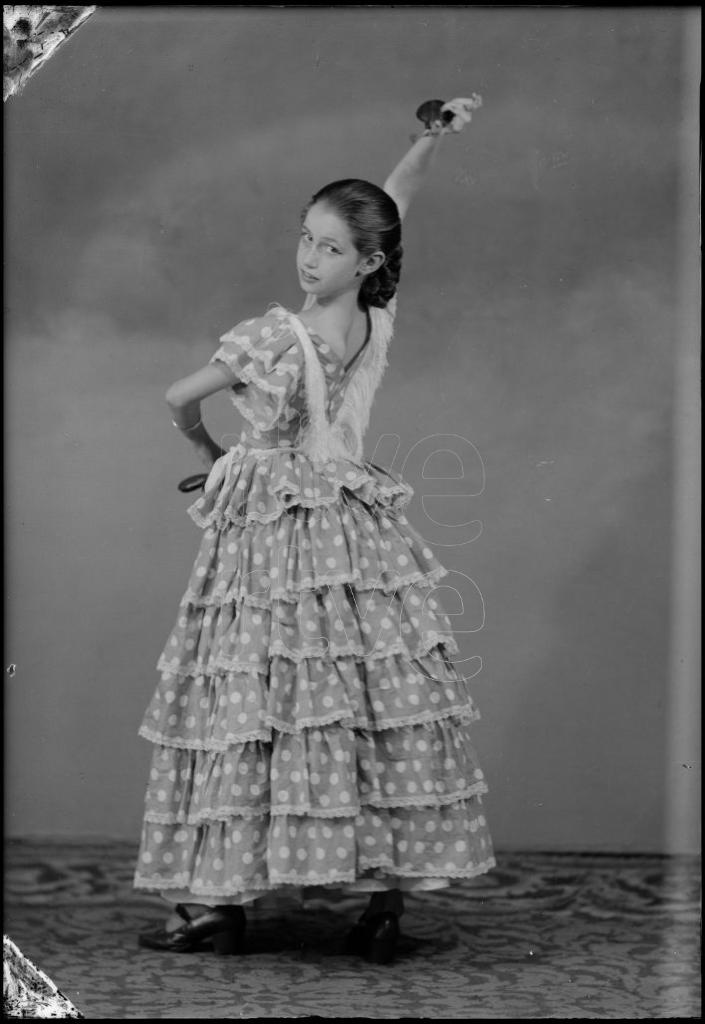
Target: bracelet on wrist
(187,429)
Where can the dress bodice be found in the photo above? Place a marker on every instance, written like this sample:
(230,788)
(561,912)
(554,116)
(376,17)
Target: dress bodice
(265,361)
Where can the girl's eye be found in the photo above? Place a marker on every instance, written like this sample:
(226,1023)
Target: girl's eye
(306,237)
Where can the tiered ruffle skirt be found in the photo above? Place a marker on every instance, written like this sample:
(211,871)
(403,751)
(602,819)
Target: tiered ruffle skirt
(309,727)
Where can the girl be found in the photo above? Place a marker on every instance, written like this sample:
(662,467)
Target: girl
(309,727)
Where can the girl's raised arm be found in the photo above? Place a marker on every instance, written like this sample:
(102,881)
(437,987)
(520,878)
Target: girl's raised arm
(410,173)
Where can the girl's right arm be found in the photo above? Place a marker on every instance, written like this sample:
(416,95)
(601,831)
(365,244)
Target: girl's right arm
(184,399)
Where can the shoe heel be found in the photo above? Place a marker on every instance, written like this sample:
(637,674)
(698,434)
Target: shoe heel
(382,946)
(226,943)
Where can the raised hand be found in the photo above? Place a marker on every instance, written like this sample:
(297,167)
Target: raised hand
(461,109)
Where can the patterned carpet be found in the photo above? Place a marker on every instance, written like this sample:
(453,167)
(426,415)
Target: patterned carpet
(542,936)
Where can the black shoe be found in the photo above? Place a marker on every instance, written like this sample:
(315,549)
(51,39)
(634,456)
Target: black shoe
(374,937)
(221,929)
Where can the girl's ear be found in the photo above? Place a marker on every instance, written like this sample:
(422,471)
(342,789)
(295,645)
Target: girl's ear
(371,263)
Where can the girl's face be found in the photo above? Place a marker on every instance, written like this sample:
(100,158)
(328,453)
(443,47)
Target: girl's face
(327,260)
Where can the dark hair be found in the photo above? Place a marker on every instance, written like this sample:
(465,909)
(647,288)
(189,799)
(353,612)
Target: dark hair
(373,219)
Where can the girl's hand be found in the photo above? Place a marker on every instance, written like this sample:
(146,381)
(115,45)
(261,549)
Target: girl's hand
(462,113)
(208,453)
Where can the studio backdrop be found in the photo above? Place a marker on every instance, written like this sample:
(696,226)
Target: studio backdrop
(156,167)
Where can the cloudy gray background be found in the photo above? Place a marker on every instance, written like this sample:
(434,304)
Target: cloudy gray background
(155,169)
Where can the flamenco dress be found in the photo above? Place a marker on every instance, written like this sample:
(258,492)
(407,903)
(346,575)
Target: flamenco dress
(309,728)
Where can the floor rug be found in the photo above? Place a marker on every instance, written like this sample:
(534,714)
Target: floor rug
(541,936)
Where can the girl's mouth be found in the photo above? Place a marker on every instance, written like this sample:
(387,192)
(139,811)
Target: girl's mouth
(307,277)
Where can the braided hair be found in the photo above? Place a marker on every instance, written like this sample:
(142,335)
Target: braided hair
(373,219)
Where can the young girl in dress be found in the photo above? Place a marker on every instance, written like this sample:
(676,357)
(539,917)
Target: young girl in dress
(309,728)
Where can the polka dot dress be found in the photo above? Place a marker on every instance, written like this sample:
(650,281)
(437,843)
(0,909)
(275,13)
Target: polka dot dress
(309,727)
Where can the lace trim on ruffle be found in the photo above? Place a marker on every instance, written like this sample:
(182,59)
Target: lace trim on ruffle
(207,814)
(432,800)
(248,373)
(298,449)
(180,743)
(239,884)
(399,493)
(226,515)
(418,578)
(464,715)
(181,881)
(384,863)
(278,648)
(343,717)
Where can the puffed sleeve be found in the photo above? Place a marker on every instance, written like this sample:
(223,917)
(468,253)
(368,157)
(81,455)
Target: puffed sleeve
(264,359)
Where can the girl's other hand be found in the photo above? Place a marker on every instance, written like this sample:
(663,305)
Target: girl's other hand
(208,453)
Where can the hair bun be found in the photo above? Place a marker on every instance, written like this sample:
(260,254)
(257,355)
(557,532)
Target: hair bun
(378,288)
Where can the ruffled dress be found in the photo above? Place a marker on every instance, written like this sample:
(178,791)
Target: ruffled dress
(309,727)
